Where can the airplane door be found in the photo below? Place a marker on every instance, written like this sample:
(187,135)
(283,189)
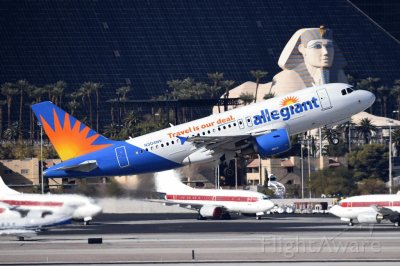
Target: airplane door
(122,157)
(324,99)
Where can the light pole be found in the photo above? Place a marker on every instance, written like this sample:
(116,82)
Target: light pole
(41,158)
(309,166)
(390,155)
(302,167)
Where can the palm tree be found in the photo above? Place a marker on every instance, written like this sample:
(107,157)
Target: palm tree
(258,75)
(86,91)
(269,95)
(111,131)
(365,129)
(383,93)
(227,85)
(9,90)
(12,132)
(246,98)
(122,93)
(2,104)
(23,88)
(97,87)
(58,89)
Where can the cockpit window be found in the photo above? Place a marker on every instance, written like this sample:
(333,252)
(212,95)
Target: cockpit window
(265,198)
(344,92)
(349,90)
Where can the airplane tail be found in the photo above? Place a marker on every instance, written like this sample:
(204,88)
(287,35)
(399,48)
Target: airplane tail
(5,190)
(169,182)
(69,136)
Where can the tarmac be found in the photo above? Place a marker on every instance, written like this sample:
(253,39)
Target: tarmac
(128,239)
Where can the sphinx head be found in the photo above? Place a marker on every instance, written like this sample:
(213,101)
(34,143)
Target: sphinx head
(316,46)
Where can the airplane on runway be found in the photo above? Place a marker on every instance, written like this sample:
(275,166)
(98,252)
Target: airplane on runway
(264,128)
(369,209)
(84,208)
(13,222)
(210,203)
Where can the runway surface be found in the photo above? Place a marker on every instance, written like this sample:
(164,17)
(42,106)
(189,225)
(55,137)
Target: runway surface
(180,238)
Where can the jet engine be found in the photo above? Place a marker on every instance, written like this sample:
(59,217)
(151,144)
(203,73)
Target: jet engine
(211,212)
(277,141)
(370,217)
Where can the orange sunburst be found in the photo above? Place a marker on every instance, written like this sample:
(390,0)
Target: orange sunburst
(70,142)
(289,101)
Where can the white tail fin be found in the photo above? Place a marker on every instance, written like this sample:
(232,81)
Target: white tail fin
(5,190)
(169,182)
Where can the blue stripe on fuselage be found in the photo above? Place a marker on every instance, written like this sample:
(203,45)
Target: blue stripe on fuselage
(140,161)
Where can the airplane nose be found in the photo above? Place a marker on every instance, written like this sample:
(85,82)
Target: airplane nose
(367,97)
(269,205)
(335,210)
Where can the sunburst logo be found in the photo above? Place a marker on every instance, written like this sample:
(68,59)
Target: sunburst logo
(289,101)
(70,140)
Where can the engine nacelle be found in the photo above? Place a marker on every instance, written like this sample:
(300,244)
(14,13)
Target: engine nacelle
(369,218)
(277,141)
(211,212)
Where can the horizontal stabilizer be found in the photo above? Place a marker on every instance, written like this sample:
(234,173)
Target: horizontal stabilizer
(85,166)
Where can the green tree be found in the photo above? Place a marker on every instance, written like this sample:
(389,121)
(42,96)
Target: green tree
(371,186)
(86,92)
(122,94)
(369,162)
(258,75)
(335,182)
(23,88)
(365,129)
(246,98)
(269,95)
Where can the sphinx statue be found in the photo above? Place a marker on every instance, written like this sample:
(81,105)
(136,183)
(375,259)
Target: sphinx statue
(310,58)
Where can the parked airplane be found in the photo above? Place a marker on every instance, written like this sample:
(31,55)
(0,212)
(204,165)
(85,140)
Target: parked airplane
(12,222)
(210,203)
(369,209)
(84,208)
(262,127)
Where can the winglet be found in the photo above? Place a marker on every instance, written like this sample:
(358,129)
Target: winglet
(69,136)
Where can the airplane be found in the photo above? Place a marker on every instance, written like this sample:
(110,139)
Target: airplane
(264,128)
(210,203)
(369,209)
(13,222)
(84,208)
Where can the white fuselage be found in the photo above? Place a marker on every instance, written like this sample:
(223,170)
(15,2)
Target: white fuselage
(239,201)
(352,207)
(329,107)
(83,208)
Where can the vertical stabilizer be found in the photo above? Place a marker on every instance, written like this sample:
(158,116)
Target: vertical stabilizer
(69,136)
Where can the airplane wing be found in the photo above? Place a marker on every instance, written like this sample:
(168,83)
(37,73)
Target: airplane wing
(387,213)
(21,233)
(232,142)
(195,207)
(85,166)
